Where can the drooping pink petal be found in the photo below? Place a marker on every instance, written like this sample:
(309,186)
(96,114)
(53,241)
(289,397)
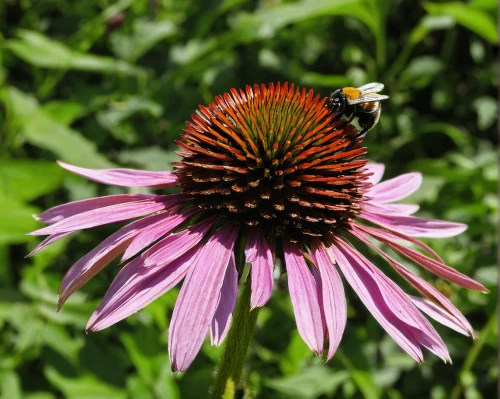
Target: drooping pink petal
(157,230)
(398,302)
(259,254)
(395,236)
(334,303)
(106,215)
(124,177)
(438,314)
(94,261)
(45,243)
(430,264)
(136,287)
(60,212)
(421,285)
(368,291)
(395,189)
(377,170)
(304,296)
(389,209)
(319,290)
(198,298)
(227,301)
(415,226)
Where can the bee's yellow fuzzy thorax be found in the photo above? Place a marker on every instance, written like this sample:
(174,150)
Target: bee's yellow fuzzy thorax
(351,93)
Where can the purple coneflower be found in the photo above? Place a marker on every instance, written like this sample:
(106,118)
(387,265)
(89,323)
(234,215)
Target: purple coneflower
(266,172)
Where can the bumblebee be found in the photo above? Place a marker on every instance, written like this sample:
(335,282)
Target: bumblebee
(362,102)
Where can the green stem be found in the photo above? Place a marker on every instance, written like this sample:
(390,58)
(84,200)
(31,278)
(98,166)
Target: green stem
(235,351)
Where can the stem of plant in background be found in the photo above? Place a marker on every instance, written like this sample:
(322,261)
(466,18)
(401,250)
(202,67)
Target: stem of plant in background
(236,349)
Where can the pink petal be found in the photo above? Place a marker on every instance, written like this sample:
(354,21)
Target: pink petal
(198,299)
(169,248)
(438,314)
(124,177)
(368,291)
(259,254)
(389,209)
(106,215)
(45,243)
(421,285)
(94,261)
(395,236)
(414,226)
(60,212)
(304,296)
(415,324)
(227,301)
(395,189)
(132,288)
(432,265)
(157,230)
(398,302)
(334,303)
(377,170)
(136,287)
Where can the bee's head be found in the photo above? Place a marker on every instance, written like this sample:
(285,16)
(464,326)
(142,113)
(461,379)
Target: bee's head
(337,101)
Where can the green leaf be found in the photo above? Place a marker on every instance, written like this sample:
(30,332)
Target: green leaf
(421,71)
(364,381)
(43,52)
(85,386)
(39,129)
(145,35)
(10,386)
(65,112)
(115,118)
(475,19)
(26,180)
(330,81)
(310,383)
(266,21)
(16,221)
(487,109)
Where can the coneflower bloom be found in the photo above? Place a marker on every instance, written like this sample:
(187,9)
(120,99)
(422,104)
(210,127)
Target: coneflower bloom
(273,171)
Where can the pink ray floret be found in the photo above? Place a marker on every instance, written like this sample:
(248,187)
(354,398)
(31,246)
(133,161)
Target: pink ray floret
(169,238)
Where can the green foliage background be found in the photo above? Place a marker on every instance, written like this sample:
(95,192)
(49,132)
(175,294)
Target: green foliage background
(99,83)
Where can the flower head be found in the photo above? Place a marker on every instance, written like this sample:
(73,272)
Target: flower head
(274,168)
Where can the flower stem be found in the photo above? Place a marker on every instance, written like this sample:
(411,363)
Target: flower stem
(235,351)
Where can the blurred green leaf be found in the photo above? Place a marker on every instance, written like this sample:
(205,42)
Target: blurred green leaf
(472,18)
(64,112)
(330,81)
(40,130)
(40,51)
(487,111)
(16,220)
(310,383)
(364,381)
(84,387)
(115,118)
(10,386)
(421,71)
(26,180)
(144,36)
(265,22)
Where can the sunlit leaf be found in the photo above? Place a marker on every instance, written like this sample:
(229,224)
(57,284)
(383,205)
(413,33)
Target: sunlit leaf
(43,52)
(26,180)
(83,386)
(472,18)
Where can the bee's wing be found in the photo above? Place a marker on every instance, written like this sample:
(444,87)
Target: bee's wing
(371,88)
(369,98)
